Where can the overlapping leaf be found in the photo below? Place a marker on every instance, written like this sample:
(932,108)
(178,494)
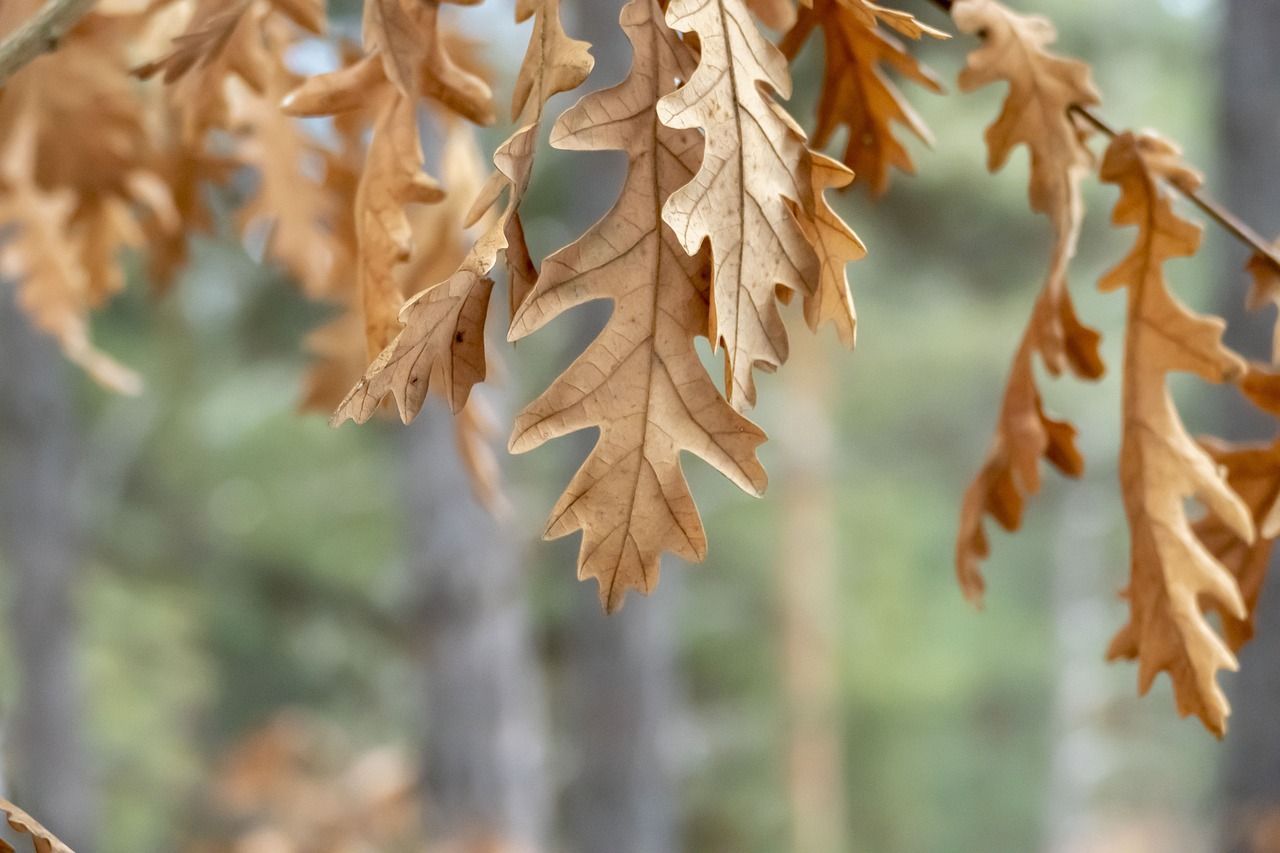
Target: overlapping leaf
(856,93)
(441,344)
(754,171)
(1042,87)
(1173,575)
(640,382)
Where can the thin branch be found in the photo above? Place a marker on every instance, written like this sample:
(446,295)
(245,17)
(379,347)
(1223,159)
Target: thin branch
(40,34)
(1215,211)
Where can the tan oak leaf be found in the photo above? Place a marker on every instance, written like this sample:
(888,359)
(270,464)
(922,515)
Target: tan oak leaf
(44,257)
(441,343)
(42,840)
(1041,89)
(1173,576)
(755,170)
(640,383)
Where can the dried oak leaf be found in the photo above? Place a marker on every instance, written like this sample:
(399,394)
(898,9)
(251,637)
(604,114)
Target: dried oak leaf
(406,57)
(755,171)
(640,383)
(19,821)
(442,342)
(43,255)
(1265,274)
(1041,89)
(856,93)
(1173,575)
(836,246)
(1253,473)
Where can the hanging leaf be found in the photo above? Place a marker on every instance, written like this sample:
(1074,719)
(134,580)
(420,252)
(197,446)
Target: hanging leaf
(441,344)
(54,289)
(1042,87)
(754,171)
(856,93)
(1173,575)
(640,382)
(1253,473)
(19,821)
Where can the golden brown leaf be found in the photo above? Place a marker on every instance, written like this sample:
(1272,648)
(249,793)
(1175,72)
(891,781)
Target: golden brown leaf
(856,93)
(44,254)
(1253,473)
(1041,88)
(836,246)
(42,839)
(755,170)
(442,342)
(640,382)
(1173,575)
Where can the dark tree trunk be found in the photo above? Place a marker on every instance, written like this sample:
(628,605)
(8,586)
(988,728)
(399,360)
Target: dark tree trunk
(486,776)
(1250,173)
(49,769)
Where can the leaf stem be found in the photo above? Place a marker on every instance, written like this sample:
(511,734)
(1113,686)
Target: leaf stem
(1231,223)
(40,34)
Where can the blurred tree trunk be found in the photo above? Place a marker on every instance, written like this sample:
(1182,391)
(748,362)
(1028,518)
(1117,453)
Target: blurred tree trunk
(486,774)
(809,596)
(1250,170)
(41,547)
(621,688)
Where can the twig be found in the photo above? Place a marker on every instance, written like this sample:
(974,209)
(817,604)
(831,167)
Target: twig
(1219,214)
(40,34)
(1215,211)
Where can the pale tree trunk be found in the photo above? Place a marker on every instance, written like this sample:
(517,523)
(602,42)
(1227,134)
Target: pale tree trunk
(486,777)
(49,767)
(809,599)
(1076,809)
(1250,170)
(622,697)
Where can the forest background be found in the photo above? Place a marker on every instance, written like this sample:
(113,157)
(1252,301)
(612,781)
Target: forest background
(230,623)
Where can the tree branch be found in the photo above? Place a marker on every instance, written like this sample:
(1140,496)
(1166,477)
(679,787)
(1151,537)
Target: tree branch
(40,35)
(1219,214)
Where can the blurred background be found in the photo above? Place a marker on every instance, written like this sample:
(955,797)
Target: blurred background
(232,628)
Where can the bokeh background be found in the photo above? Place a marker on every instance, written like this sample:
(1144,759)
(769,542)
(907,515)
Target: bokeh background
(232,628)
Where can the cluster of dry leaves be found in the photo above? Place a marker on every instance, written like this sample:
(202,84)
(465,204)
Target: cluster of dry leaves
(1180,570)
(723,218)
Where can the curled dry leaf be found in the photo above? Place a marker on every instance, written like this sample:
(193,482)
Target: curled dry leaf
(640,382)
(1173,575)
(856,93)
(1041,89)
(442,342)
(19,821)
(755,171)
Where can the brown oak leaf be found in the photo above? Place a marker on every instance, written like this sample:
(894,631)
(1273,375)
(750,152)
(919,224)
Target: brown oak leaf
(755,171)
(856,93)
(640,382)
(1173,575)
(441,343)
(1041,89)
